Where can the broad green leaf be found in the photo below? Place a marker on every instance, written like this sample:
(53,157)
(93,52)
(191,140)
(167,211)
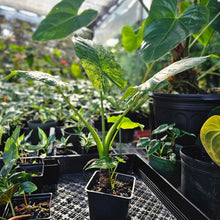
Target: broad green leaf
(8,194)
(154,146)
(130,40)
(126,123)
(10,151)
(103,163)
(161,9)
(164,29)
(214,8)
(19,177)
(99,64)
(28,187)
(6,169)
(42,77)
(143,142)
(63,20)
(160,129)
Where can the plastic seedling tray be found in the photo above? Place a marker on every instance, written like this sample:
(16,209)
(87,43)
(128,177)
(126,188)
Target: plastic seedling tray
(154,198)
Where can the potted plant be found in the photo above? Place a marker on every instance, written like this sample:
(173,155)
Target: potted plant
(103,71)
(163,152)
(200,171)
(14,182)
(175,27)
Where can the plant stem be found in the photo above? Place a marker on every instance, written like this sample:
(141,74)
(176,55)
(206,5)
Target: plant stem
(144,6)
(12,209)
(91,129)
(148,72)
(103,118)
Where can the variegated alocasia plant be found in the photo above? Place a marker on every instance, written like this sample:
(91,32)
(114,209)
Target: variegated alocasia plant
(103,71)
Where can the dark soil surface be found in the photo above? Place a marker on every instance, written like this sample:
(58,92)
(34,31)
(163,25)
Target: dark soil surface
(37,209)
(122,188)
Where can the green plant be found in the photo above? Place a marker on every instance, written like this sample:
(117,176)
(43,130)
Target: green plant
(16,147)
(66,145)
(164,147)
(210,136)
(175,26)
(103,71)
(13,182)
(45,145)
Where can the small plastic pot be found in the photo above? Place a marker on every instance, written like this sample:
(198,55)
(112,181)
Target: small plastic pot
(31,199)
(107,206)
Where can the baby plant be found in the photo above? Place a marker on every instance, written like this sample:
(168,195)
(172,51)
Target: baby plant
(164,147)
(13,182)
(210,137)
(66,145)
(45,144)
(16,147)
(103,72)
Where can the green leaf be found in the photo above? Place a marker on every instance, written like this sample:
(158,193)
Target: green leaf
(214,9)
(42,136)
(19,177)
(6,169)
(8,194)
(143,142)
(120,159)
(16,133)
(42,77)
(63,20)
(10,151)
(164,29)
(160,129)
(206,36)
(171,70)
(126,123)
(28,187)
(103,163)
(99,64)
(154,146)
(130,40)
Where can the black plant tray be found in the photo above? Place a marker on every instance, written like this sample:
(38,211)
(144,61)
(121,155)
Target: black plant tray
(154,198)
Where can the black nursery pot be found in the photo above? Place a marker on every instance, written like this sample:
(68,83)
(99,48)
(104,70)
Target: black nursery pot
(200,180)
(107,206)
(31,199)
(51,171)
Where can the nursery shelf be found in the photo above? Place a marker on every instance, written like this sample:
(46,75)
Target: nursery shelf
(154,197)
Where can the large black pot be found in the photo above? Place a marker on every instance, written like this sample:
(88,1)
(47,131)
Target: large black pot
(188,112)
(107,206)
(200,181)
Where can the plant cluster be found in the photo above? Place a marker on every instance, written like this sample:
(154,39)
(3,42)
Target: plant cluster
(165,146)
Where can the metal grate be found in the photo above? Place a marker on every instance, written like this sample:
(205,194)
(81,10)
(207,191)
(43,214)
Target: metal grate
(70,200)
